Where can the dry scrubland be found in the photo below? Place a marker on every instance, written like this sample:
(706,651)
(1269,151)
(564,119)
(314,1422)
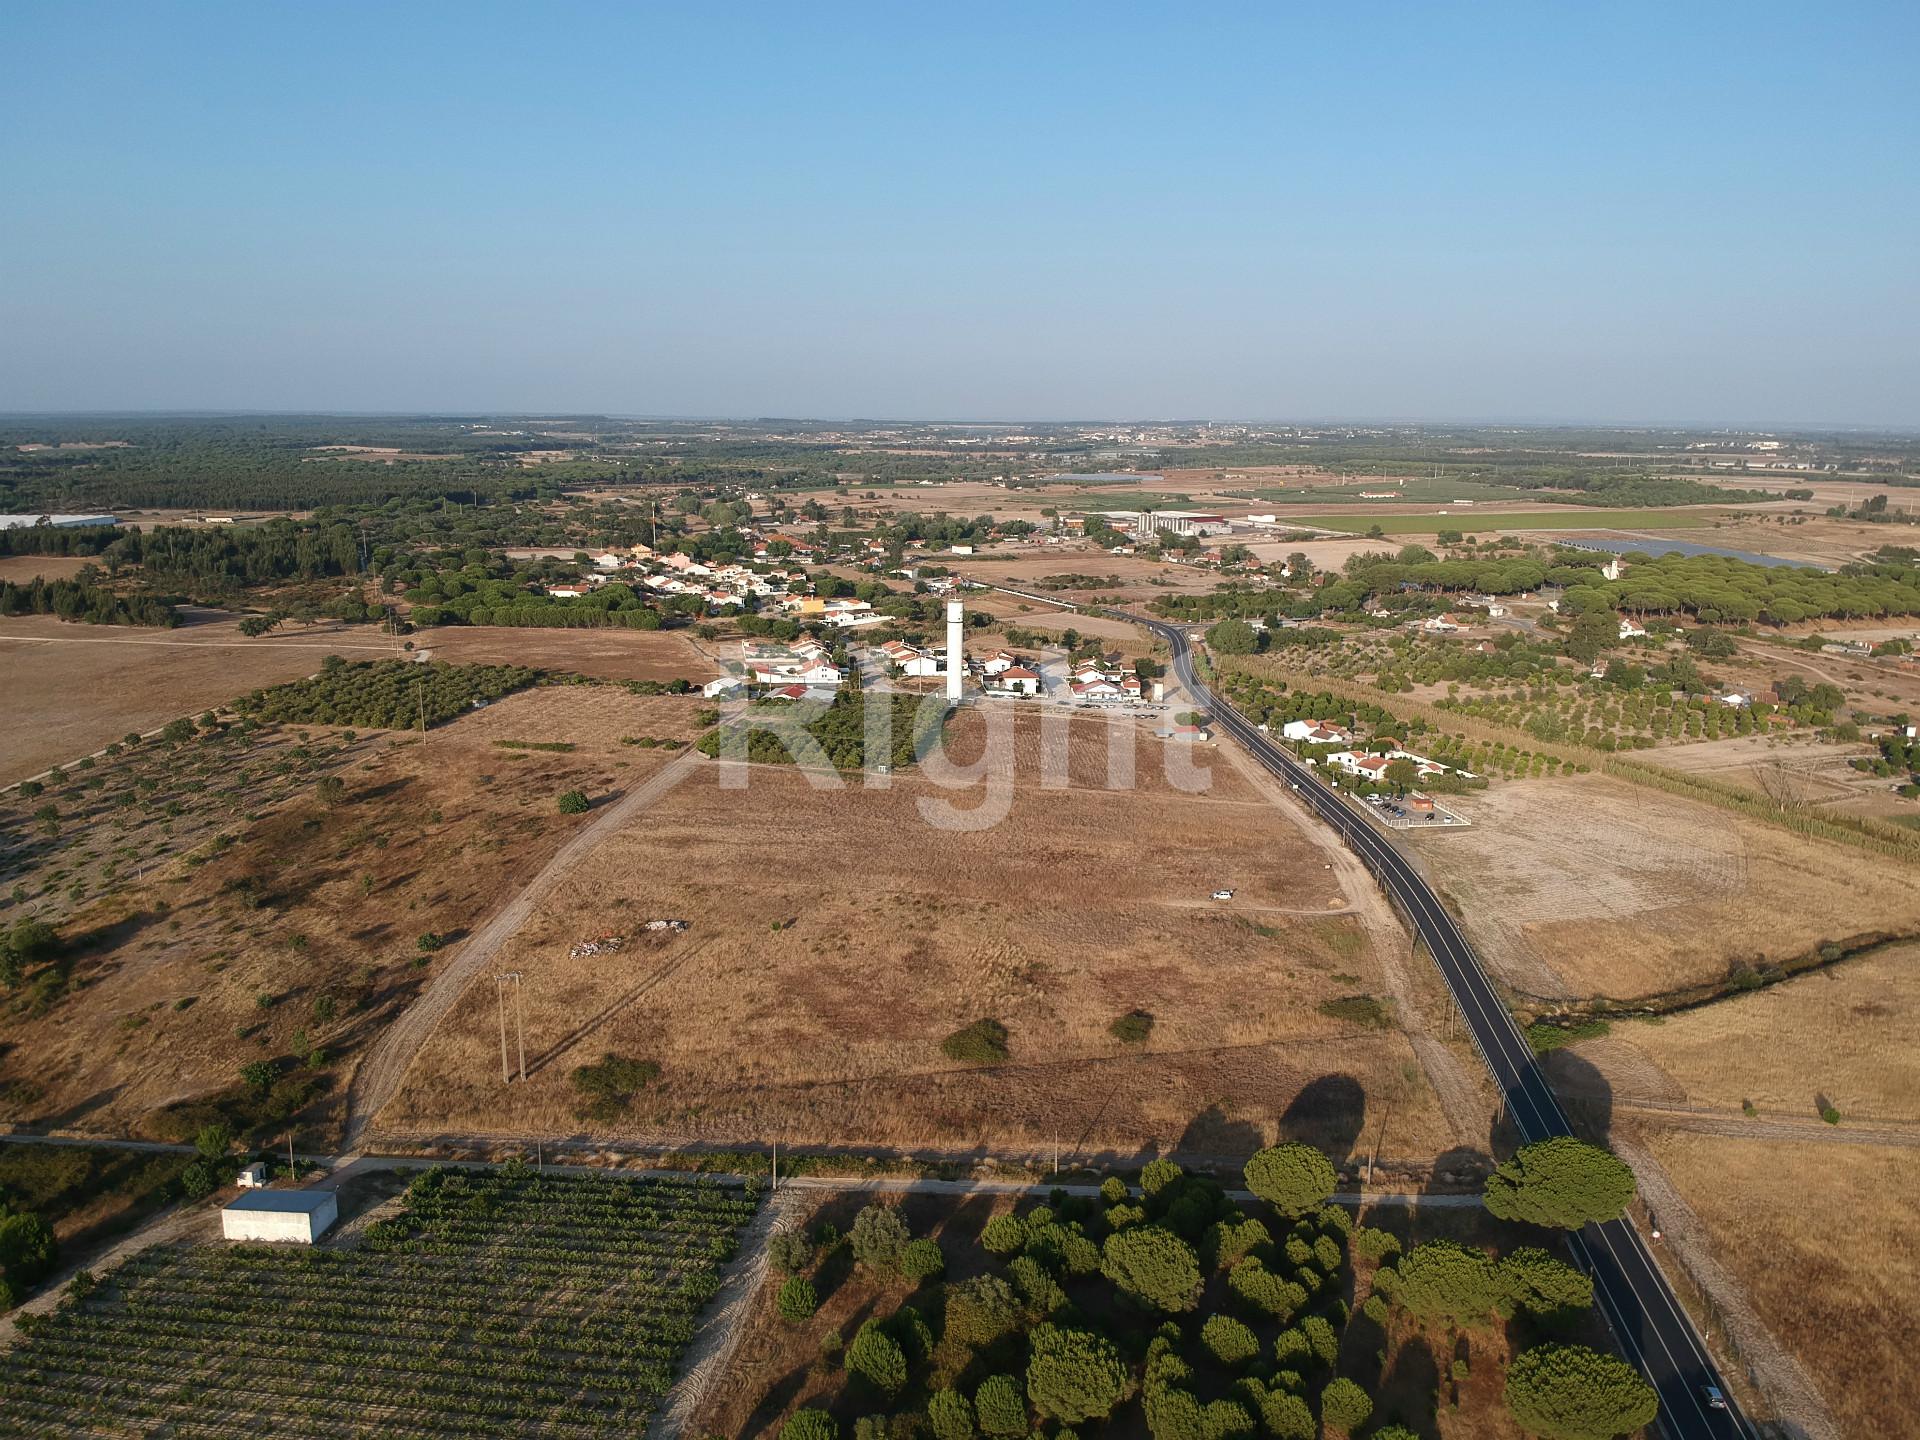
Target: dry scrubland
(1821,1237)
(1850,1034)
(601,654)
(1586,886)
(73,688)
(309,904)
(836,939)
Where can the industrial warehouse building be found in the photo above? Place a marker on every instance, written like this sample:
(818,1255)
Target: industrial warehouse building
(299,1216)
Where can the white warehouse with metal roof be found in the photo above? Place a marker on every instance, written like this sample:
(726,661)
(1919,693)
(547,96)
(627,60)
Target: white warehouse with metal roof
(299,1217)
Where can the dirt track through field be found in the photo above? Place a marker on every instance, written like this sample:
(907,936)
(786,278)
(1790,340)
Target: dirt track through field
(378,1077)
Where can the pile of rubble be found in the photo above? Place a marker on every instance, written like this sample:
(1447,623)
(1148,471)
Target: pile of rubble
(614,944)
(605,945)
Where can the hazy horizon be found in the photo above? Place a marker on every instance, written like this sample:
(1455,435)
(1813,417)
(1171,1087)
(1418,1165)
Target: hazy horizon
(1689,219)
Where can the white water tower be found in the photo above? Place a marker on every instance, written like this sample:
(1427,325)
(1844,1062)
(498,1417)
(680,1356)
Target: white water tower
(956,660)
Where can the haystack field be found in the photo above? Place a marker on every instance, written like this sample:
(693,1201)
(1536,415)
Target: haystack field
(1588,886)
(835,938)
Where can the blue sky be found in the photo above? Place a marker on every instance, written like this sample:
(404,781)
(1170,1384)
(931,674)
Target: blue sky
(1636,212)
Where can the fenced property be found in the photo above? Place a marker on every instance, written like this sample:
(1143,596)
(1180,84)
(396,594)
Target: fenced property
(496,1303)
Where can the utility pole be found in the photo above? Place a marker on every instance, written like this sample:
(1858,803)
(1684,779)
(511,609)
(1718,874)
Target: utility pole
(420,694)
(519,1022)
(500,993)
(1378,1136)
(520,1026)
(776,1166)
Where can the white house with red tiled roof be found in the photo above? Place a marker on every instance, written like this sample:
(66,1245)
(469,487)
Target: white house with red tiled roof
(1316,732)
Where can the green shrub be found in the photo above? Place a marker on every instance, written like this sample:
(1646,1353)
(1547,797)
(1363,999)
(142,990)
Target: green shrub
(609,1086)
(1154,1265)
(797,1299)
(879,1238)
(984,1042)
(921,1260)
(1230,1342)
(810,1424)
(573,802)
(1075,1375)
(876,1357)
(1344,1405)
(1004,1234)
(1362,1010)
(1568,1392)
(790,1250)
(999,1407)
(1132,1027)
(1293,1178)
(950,1415)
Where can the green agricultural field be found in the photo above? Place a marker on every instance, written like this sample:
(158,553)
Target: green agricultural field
(1485,522)
(495,1303)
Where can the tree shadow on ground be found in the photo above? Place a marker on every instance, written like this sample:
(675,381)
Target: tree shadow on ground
(1330,1112)
(1584,1093)
(1407,1391)
(1214,1133)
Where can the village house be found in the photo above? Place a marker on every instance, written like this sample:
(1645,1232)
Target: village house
(1019,680)
(1630,630)
(1316,732)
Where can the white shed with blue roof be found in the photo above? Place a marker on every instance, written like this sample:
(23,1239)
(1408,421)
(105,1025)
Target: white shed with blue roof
(296,1216)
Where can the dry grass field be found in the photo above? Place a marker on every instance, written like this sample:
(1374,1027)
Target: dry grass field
(22,568)
(1821,1237)
(73,688)
(1849,1034)
(600,654)
(836,938)
(306,923)
(1587,886)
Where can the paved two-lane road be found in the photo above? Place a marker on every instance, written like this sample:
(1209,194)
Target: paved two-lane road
(1651,1326)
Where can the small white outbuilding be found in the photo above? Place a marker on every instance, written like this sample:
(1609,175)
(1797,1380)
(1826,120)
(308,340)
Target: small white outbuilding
(297,1216)
(253,1177)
